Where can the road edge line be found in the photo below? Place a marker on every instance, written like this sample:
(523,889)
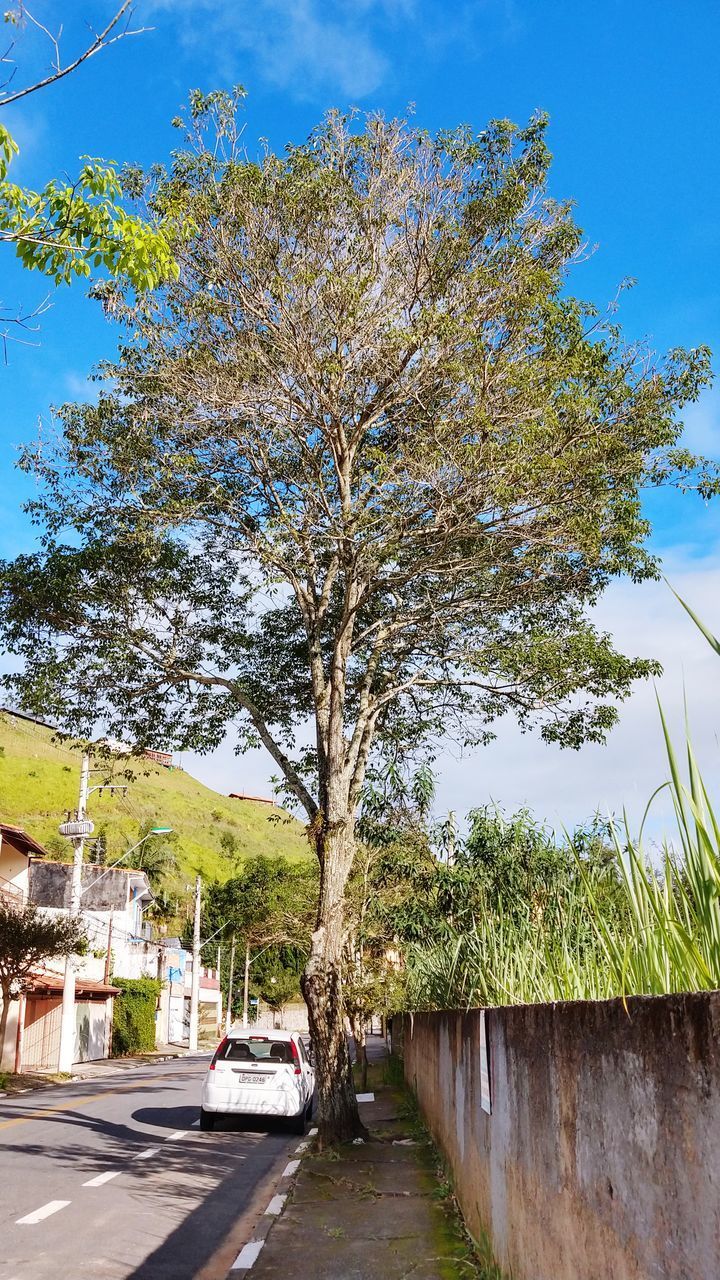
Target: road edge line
(270,1216)
(249,1226)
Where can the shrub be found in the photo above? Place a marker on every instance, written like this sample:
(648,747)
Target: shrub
(134,1016)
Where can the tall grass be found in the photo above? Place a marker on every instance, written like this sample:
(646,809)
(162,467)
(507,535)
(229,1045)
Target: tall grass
(667,939)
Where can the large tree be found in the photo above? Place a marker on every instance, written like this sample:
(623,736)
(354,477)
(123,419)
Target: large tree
(363,468)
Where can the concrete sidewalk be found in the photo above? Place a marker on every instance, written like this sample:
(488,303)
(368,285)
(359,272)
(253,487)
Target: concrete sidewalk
(109,1066)
(368,1211)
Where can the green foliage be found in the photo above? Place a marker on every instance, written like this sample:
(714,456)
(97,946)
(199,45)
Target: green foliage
(270,905)
(269,902)
(229,845)
(276,975)
(366,463)
(440,511)
(584,921)
(157,856)
(134,1015)
(69,230)
(27,936)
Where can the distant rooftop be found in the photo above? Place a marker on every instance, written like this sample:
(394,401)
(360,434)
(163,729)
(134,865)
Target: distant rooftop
(21,841)
(25,715)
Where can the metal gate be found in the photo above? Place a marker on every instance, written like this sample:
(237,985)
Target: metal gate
(41,1036)
(90,1030)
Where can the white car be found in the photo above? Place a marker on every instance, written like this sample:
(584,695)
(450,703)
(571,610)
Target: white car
(259,1074)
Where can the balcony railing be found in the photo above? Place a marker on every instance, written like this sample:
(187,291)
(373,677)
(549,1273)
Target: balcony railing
(12,893)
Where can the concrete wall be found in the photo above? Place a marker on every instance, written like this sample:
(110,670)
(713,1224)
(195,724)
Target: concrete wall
(13,869)
(601,1157)
(293,1017)
(50,886)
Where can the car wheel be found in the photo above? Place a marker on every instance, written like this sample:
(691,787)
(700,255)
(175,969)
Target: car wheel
(207,1119)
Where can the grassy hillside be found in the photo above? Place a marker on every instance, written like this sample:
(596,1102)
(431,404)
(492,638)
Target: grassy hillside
(39,780)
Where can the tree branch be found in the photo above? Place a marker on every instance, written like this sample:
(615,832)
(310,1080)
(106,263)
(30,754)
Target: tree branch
(101,41)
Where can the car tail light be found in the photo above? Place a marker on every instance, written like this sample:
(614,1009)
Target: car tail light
(296,1058)
(222,1043)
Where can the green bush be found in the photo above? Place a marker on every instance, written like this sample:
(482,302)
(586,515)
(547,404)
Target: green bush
(134,1016)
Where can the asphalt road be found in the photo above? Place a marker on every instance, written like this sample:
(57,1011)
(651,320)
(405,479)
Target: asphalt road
(112,1179)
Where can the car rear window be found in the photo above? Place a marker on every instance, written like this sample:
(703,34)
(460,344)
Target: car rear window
(254,1051)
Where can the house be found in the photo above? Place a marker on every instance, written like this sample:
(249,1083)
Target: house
(176,966)
(17,848)
(32,1038)
(112,903)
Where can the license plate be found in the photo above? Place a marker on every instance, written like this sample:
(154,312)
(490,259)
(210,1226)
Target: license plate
(248,1077)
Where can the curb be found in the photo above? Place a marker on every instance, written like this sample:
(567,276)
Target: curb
(127,1066)
(134,1066)
(250,1251)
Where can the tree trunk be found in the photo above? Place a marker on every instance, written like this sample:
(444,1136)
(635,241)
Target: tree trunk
(362,1057)
(338,1117)
(4,1021)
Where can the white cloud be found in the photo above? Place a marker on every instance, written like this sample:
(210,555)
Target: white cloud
(347,50)
(298,45)
(566,787)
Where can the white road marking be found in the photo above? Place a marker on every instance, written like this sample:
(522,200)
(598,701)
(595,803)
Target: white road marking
(181,1133)
(276,1204)
(103,1178)
(365,1097)
(303,1147)
(52,1206)
(290,1168)
(247,1255)
(145,1155)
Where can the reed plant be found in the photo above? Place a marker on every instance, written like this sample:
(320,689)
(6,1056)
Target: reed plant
(666,937)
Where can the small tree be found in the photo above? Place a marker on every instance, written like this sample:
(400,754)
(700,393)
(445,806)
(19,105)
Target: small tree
(366,464)
(69,229)
(27,937)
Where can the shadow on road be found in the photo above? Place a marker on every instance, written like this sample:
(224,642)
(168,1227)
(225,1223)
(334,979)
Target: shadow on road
(190,1191)
(205,1180)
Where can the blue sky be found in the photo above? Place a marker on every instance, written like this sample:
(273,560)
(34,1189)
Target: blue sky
(634,99)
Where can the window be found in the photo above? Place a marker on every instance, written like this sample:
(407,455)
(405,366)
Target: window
(256,1050)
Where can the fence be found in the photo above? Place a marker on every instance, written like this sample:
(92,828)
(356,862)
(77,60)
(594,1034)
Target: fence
(600,1154)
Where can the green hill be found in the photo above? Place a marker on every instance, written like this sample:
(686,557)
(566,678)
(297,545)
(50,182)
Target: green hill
(39,781)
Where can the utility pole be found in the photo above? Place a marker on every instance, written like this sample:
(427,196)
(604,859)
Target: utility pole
(67,1024)
(228,1015)
(246,984)
(109,953)
(219,1021)
(195,988)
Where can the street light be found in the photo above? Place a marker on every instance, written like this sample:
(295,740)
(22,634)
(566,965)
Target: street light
(154,831)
